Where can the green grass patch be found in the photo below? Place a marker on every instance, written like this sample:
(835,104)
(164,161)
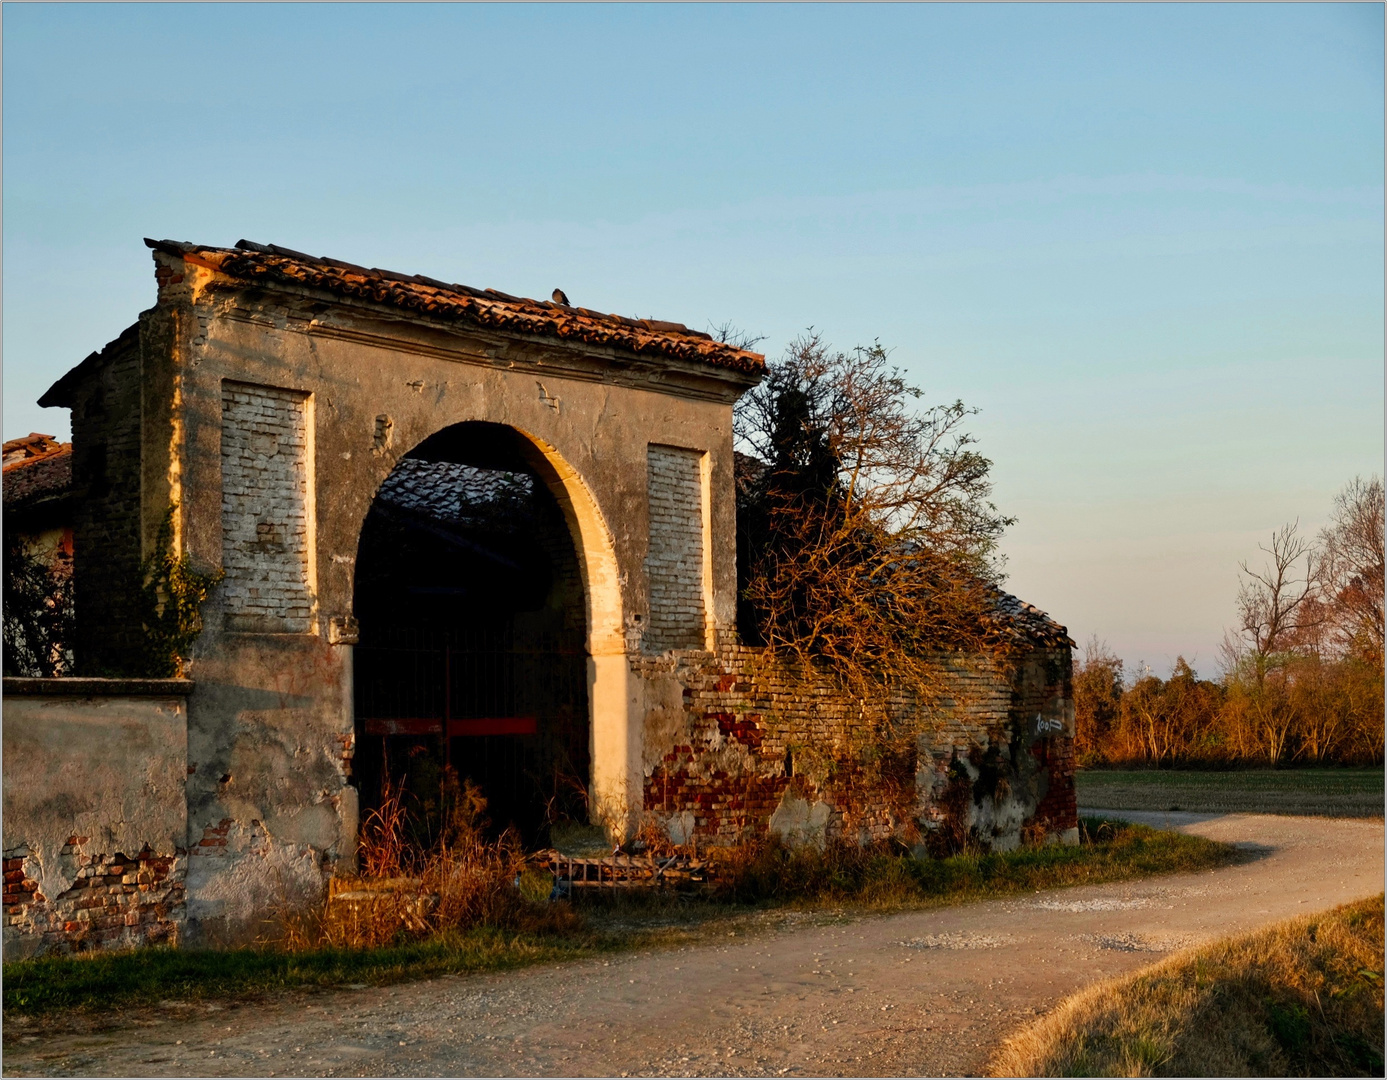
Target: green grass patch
(1108,851)
(1317,792)
(840,878)
(149,976)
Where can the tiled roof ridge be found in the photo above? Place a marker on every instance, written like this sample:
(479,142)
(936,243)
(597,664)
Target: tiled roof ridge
(49,455)
(249,261)
(33,446)
(33,479)
(1030,621)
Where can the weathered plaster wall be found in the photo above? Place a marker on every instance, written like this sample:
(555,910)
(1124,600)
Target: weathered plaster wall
(95,820)
(271,809)
(270,417)
(736,745)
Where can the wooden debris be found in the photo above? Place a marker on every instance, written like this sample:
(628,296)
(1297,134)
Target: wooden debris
(621,871)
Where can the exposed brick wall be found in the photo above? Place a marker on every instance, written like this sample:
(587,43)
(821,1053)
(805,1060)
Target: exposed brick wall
(755,733)
(265,488)
(674,565)
(1059,809)
(106,510)
(115,900)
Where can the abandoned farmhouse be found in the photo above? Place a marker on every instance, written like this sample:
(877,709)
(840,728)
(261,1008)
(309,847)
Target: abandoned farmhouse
(452,524)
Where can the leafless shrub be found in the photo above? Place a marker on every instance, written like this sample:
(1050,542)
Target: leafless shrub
(1098,681)
(867,538)
(465,880)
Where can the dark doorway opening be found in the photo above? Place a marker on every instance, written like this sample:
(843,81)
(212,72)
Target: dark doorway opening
(471,662)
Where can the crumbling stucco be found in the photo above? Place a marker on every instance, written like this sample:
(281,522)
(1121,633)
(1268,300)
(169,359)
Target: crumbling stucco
(757,748)
(268,396)
(93,803)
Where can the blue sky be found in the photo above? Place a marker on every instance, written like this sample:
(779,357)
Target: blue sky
(1147,241)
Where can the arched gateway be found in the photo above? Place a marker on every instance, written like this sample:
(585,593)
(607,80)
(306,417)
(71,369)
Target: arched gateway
(302,416)
(471,664)
(458,529)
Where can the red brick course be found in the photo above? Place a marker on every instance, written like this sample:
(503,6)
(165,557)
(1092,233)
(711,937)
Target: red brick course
(115,900)
(755,732)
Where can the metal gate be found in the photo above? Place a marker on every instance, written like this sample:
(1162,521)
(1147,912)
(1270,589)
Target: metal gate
(504,704)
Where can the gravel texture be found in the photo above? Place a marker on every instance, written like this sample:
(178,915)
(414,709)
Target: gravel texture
(922,993)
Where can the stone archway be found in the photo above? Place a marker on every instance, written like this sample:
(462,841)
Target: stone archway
(491,641)
(615,748)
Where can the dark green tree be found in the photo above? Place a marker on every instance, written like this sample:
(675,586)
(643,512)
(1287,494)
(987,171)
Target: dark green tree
(38,615)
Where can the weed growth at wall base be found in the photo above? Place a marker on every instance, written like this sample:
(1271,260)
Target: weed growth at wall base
(542,931)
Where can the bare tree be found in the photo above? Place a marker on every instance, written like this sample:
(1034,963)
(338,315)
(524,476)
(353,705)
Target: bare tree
(1303,666)
(731,334)
(1278,610)
(1351,571)
(867,537)
(1277,603)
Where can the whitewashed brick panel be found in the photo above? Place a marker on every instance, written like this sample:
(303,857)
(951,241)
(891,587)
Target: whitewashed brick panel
(674,564)
(265,519)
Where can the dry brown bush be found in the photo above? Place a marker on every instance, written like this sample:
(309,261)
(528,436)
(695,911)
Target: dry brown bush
(867,539)
(468,879)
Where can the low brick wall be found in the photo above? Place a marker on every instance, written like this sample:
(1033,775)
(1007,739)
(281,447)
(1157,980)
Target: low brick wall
(737,745)
(95,815)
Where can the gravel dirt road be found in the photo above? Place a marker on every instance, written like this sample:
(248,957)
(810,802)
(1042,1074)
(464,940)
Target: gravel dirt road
(923,993)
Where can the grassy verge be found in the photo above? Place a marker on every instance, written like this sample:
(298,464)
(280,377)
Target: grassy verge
(843,879)
(1318,792)
(1108,851)
(1300,998)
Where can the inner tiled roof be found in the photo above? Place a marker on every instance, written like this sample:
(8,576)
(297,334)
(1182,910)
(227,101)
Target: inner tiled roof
(251,262)
(455,493)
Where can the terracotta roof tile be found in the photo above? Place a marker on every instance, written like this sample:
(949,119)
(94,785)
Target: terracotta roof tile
(31,446)
(251,262)
(44,473)
(1029,623)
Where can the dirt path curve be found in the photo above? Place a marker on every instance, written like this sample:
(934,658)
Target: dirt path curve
(924,993)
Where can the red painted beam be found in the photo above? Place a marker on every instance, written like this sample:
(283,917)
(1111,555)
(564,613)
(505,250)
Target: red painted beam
(483,725)
(494,725)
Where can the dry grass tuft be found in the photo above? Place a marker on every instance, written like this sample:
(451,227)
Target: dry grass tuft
(883,877)
(401,928)
(1300,998)
(466,880)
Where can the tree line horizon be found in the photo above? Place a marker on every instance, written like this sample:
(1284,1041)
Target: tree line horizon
(1301,667)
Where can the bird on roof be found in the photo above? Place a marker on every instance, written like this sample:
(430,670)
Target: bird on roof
(560,298)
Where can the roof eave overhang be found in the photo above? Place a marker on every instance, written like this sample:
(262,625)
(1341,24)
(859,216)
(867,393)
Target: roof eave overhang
(366,320)
(735,378)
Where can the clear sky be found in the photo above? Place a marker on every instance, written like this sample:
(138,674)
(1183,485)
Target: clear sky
(1146,241)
